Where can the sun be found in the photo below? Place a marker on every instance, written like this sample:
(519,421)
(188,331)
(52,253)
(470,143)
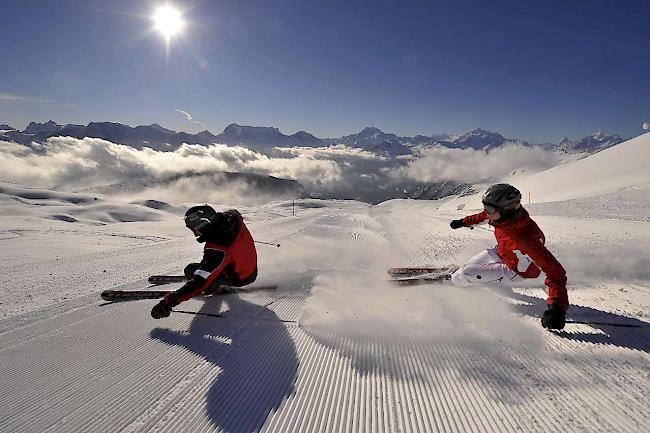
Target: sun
(168,21)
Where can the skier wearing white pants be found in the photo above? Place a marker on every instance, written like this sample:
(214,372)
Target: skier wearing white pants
(486,267)
(520,252)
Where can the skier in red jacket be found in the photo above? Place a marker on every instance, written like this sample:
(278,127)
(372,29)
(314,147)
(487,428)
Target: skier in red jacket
(229,256)
(519,253)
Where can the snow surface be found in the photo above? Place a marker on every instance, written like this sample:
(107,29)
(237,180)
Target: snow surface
(335,348)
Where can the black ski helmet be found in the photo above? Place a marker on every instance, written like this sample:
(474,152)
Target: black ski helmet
(197,218)
(501,197)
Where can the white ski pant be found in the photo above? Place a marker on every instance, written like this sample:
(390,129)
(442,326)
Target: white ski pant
(484,268)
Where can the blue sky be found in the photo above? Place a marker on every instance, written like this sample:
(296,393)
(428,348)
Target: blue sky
(531,70)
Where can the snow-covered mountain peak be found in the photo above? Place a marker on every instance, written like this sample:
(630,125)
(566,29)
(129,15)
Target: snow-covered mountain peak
(595,143)
(105,125)
(40,128)
(476,139)
(207,136)
(369,136)
(370,131)
(303,135)
(233,128)
(162,129)
(481,131)
(265,137)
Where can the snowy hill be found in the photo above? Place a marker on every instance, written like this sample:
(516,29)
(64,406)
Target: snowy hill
(616,179)
(71,207)
(615,168)
(335,347)
(236,188)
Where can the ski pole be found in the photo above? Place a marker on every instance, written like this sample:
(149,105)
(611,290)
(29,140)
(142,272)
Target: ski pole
(259,319)
(196,313)
(267,243)
(622,325)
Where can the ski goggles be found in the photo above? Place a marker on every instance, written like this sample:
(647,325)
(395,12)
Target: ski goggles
(489,208)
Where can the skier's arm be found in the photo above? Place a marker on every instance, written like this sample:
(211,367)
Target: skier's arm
(475,219)
(555,273)
(210,269)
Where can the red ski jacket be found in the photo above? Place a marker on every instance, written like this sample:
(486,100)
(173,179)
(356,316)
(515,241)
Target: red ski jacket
(231,260)
(522,237)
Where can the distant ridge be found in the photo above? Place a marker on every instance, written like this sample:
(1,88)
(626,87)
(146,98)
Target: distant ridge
(265,138)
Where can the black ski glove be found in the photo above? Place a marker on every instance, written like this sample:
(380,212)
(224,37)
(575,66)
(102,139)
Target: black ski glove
(190,269)
(456,224)
(163,308)
(554,317)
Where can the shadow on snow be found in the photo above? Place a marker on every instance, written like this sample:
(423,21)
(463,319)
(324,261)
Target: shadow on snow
(631,333)
(258,360)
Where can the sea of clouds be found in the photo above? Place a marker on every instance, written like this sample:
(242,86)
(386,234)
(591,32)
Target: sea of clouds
(71,164)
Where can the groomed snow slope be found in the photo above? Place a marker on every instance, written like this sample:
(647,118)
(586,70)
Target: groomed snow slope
(335,348)
(623,166)
(622,169)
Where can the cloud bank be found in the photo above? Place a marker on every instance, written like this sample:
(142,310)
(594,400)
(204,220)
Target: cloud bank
(70,163)
(477,166)
(67,163)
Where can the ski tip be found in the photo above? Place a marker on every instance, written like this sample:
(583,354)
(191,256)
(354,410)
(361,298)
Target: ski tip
(107,295)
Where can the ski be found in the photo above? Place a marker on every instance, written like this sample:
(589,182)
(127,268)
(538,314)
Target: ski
(420,270)
(135,295)
(166,279)
(132,295)
(410,281)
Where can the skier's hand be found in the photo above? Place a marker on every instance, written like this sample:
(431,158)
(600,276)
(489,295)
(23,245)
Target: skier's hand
(164,307)
(554,317)
(456,224)
(190,269)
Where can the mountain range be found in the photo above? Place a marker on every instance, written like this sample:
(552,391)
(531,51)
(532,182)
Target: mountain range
(593,143)
(264,139)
